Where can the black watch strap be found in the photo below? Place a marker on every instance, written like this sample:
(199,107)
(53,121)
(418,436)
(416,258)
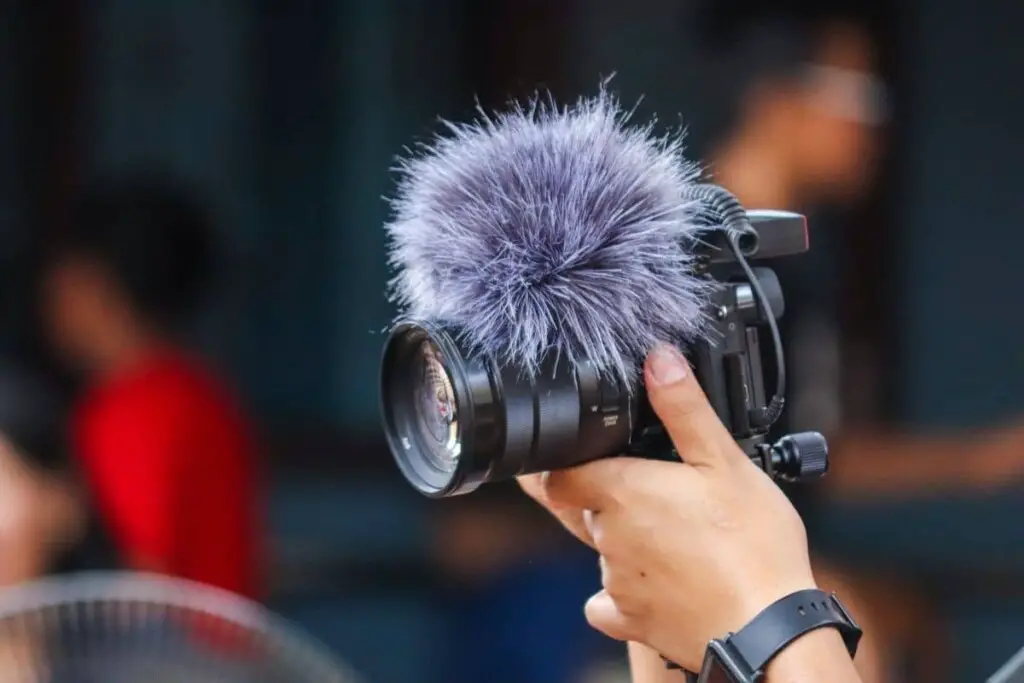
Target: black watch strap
(779,624)
(787,619)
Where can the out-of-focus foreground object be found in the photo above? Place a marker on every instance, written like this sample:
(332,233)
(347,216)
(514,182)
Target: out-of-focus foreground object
(1011,672)
(135,628)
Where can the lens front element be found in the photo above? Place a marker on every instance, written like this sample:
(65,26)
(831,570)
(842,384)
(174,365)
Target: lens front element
(436,407)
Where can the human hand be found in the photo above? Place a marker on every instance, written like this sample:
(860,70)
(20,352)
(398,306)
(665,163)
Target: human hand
(19,512)
(689,552)
(38,513)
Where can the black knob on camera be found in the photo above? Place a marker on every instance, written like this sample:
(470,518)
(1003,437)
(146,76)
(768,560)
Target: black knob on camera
(797,457)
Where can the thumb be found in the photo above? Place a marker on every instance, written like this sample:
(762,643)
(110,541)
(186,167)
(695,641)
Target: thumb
(693,425)
(603,615)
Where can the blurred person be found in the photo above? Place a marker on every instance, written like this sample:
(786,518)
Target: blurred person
(164,451)
(804,132)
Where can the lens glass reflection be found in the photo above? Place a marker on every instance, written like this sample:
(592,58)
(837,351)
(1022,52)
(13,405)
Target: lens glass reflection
(436,407)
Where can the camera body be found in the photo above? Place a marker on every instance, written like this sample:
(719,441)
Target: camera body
(454,419)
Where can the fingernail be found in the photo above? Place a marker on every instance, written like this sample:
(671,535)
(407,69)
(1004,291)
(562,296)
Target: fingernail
(667,365)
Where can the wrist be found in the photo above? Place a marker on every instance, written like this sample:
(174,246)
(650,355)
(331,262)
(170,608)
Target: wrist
(647,666)
(780,644)
(760,598)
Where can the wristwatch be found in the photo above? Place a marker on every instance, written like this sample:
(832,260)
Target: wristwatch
(741,657)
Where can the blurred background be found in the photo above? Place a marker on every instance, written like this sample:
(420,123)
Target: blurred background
(192,303)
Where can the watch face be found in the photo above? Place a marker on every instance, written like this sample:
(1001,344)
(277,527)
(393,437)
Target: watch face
(722,666)
(713,671)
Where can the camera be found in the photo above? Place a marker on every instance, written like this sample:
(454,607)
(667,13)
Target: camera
(455,420)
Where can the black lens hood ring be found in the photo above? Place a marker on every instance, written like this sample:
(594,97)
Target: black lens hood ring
(473,460)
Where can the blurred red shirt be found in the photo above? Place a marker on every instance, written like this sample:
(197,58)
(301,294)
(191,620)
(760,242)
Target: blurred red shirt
(173,473)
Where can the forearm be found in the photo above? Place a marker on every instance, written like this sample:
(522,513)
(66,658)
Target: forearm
(882,464)
(818,656)
(878,464)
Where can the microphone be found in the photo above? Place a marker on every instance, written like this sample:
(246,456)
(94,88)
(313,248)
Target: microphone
(539,254)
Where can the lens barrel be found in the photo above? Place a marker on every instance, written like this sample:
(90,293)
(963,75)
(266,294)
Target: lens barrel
(456,419)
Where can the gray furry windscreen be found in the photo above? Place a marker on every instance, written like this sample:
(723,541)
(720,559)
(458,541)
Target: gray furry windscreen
(547,230)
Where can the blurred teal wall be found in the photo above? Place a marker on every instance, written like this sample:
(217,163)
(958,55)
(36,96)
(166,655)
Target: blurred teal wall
(288,118)
(643,46)
(399,67)
(960,255)
(170,86)
(12,185)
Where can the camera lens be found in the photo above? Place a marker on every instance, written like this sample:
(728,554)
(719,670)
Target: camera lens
(439,410)
(436,409)
(455,419)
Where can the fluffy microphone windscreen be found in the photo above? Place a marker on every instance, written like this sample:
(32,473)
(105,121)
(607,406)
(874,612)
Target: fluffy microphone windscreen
(550,231)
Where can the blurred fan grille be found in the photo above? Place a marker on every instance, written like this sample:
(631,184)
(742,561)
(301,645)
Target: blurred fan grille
(126,628)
